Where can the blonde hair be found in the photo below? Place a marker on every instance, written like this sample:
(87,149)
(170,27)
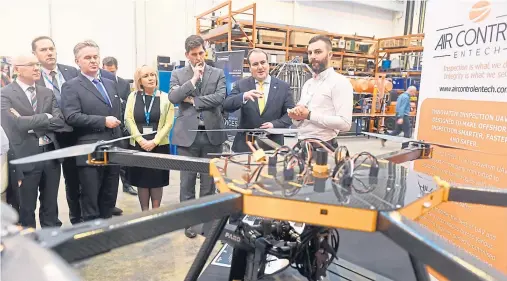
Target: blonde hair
(138,75)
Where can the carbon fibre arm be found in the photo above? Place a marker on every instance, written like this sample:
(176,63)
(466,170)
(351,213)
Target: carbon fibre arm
(160,161)
(402,156)
(95,237)
(432,250)
(479,195)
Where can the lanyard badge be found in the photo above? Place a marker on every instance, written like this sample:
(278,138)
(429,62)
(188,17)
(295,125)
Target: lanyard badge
(148,111)
(148,129)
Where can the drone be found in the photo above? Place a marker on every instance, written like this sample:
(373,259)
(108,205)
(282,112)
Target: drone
(323,187)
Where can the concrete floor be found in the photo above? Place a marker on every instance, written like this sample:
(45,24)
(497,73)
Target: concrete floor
(168,257)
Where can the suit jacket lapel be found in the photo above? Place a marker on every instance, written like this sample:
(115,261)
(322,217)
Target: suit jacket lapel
(90,87)
(253,87)
(40,100)
(205,77)
(273,88)
(22,97)
(110,92)
(64,71)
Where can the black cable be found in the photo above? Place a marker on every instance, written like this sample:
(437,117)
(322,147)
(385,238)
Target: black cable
(366,189)
(305,260)
(326,144)
(289,174)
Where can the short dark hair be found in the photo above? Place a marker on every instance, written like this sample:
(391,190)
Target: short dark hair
(110,61)
(322,38)
(193,41)
(256,50)
(37,39)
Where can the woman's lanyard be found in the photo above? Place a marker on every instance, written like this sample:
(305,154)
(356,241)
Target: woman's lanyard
(148,111)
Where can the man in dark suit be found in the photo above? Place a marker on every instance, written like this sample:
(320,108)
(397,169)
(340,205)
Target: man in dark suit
(53,75)
(263,100)
(199,90)
(110,64)
(92,106)
(30,116)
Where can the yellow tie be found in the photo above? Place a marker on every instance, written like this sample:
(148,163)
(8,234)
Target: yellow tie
(261,101)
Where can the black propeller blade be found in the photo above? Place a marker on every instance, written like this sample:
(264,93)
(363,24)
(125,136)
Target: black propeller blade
(77,150)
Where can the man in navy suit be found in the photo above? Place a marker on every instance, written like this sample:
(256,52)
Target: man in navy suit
(53,75)
(92,106)
(263,100)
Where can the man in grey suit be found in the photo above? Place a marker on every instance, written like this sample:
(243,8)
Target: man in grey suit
(199,90)
(30,116)
(52,76)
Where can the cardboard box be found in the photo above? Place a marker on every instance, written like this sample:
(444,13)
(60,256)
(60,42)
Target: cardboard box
(271,36)
(300,38)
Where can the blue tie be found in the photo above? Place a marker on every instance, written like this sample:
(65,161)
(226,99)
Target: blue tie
(102,90)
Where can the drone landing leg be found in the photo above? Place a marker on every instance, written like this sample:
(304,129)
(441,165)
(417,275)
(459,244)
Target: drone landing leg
(206,248)
(238,264)
(421,274)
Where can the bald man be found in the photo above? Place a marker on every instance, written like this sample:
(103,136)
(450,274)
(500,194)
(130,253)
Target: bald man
(403,115)
(30,116)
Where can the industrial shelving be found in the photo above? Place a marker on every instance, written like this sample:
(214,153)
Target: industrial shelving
(239,29)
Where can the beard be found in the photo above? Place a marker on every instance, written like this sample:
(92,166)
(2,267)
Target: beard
(321,65)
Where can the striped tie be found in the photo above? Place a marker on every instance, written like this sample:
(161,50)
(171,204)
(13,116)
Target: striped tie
(45,139)
(33,98)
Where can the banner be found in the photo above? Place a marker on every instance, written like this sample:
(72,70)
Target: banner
(232,64)
(463,97)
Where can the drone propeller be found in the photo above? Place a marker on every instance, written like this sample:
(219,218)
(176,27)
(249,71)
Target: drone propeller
(77,150)
(403,139)
(272,131)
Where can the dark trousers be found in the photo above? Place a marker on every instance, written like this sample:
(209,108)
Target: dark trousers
(405,127)
(99,189)
(200,148)
(123,177)
(70,173)
(44,178)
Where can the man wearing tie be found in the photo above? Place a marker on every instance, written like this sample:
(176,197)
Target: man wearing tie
(199,90)
(263,100)
(30,116)
(52,76)
(92,106)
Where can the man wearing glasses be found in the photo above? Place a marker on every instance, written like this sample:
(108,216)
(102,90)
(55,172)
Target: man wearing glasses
(30,116)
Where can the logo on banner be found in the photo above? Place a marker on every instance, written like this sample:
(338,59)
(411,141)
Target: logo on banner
(478,38)
(480,11)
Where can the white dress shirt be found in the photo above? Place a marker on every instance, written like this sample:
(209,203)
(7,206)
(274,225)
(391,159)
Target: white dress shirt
(329,97)
(25,87)
(48,80)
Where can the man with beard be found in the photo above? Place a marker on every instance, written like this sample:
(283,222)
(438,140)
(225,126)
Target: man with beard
(326,103)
